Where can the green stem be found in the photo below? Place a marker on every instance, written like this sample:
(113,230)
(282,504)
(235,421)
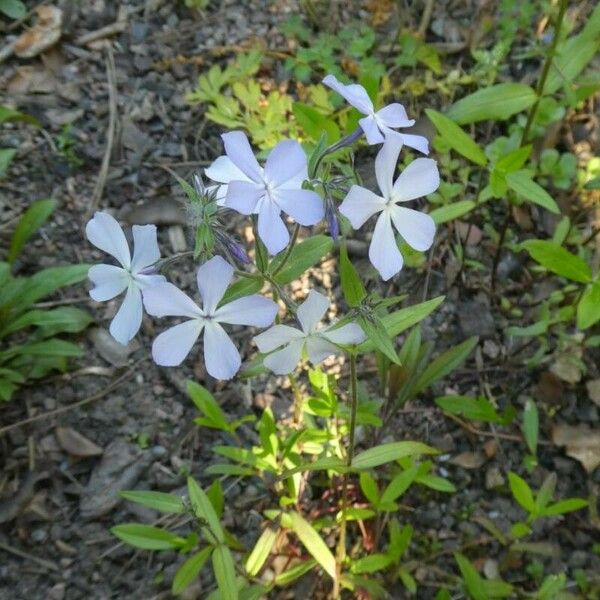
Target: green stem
(546,69)
(290,247)
(297,398)
(531,115)
(341,547)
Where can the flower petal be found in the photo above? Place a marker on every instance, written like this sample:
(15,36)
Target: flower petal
(221,357)
(109,280)
(312,310)
(351,333)
(243,196)
(385,165)
(167,300)
(276,336)
(271,228)
(213,277)
(371,128)
(173,345)
(237,147)
(360,204)
(128,319)
(420,178)
(105,233)
(304,206)
(383,251)
(286,162)
(418,142)
(417,228)
(394,115)
(147,281)
(318,349)
(254,310)
(223,170)
(284,361)
(355,94)
(145,247)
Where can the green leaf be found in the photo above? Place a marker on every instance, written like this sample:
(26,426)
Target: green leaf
(443,214)
(456,138)
(49,348)
(474,409)
(11,115)
(495,103)
(33,218)
(439,484)
(558,260)
(378,336)
(352,285)
(167,503)
(369,487)
(514,160)
(521,492)
(15,9)
(521,183)
(588,309)
(305,255)
(565,506)
(147,537)
(189,570)
(292,574)
(472,579)
(531,425)
(371,564)
(209,407)
(400,320)
(224,570)
(329,463)
(204,510)
(314,123)
(445,363)
(399,484)
(313,542)
(6,157)
(386,453)
(45,282)
(244,286)
(261,552)
(51,322)
(574,54)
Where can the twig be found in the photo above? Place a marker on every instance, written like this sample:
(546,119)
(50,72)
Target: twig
(40,561)
(103,32)
(97,396)
(425,18)
(110,135)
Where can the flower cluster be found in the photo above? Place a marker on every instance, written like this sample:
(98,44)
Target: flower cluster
(241,184)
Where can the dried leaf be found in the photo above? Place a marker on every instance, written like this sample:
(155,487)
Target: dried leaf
(581,442)
(44,34)
(469,460)
(76,444)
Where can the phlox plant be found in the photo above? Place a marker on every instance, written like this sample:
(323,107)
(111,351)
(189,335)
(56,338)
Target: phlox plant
(322,435)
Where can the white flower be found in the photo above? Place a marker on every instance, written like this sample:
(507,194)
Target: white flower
(319,343)
(250,189)
(110,280)
(420,178)
(378,126)
(220,355)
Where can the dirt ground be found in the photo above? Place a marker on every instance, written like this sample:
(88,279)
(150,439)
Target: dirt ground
(56,507)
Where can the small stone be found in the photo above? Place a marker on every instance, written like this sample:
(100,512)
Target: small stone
(476,319)
(109,349)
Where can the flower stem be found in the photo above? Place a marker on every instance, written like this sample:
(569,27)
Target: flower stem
(341,547)
(345,141)
(297,399)
(290,247)
(531,115)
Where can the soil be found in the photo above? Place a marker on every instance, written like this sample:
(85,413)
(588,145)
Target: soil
(56,508)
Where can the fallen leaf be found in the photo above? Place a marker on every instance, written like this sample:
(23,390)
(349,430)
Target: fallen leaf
(469,460)
(44,34)
(76,444)
(30,79)
(581,443)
